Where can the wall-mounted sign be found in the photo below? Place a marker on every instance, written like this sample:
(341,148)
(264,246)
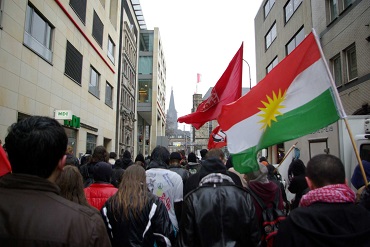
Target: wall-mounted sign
(63,114)
(74,123)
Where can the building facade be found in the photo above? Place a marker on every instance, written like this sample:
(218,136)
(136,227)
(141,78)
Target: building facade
(200,136)
(61,57)
(127,114)
(152,92)
(344,32)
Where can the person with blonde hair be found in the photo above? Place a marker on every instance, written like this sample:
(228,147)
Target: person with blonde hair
(71,158)
(134,216)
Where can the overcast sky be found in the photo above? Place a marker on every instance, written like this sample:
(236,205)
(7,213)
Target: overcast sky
(201,36)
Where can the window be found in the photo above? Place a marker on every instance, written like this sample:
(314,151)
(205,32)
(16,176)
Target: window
(38,33)
(268,6)
(145,65)
(337,70)
(270,36)
(90,141)
(109,95)
(145,91)
(346,3)
(290,8)
(351,62)
(333,5)
(94,82)
(295,41)
(113,12)
(73,65)
(98,28)
(111,47)
(271,65)
(79,7)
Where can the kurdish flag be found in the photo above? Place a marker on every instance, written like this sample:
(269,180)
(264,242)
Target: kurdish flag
(296,98)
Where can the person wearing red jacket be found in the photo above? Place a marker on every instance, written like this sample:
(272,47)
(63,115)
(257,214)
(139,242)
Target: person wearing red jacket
(99,192)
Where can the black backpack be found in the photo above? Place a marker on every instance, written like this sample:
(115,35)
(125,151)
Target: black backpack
(271,218)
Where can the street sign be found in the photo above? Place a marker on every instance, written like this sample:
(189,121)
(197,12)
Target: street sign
(63,114)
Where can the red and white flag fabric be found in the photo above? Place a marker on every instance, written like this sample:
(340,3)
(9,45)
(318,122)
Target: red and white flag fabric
(296,98)
(227,89)
(217,139)
(199,77)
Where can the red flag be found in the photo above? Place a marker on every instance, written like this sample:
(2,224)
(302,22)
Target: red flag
(199,76)
(227,90)
(4,163)
(217,139)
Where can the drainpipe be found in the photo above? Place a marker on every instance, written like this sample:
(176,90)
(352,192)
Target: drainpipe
(119,80)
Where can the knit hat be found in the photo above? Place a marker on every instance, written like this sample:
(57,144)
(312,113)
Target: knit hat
(192,157)
(103,172)
(357,179)
(175,156)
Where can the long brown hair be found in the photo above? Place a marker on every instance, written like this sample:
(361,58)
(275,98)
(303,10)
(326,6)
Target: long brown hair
(71,185)
(132,193)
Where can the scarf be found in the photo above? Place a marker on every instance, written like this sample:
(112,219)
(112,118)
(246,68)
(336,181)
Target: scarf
(335,193)
(215,178)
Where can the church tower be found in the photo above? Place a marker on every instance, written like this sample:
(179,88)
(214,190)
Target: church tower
(172,114)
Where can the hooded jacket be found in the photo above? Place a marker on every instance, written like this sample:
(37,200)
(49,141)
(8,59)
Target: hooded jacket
(218,213)
(326,224)
(267,193)
(32,213)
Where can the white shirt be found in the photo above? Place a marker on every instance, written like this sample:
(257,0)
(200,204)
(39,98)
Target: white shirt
(168,186)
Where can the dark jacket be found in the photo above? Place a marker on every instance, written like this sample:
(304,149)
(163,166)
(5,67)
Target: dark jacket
(326,224)
(152,224)
(298,186)
(32,213)
(212,165)
(218,213)
(181,171)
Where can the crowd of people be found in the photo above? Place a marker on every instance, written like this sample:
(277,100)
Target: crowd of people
(52,198)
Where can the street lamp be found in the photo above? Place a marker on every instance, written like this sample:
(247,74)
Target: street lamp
(250,80)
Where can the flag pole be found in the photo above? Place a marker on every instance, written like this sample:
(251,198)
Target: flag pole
(285,156)
(196,86)
(356,152)
(341,110)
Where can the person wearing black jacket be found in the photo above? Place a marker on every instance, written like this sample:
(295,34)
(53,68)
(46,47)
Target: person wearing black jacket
(175,166)
(297,181)
(327,215)
(193,181)
(134,216)
(218,213)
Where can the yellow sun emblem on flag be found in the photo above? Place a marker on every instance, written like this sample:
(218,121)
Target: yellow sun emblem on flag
(272,109)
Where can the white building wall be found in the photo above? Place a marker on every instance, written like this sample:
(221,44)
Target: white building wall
(32,86)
